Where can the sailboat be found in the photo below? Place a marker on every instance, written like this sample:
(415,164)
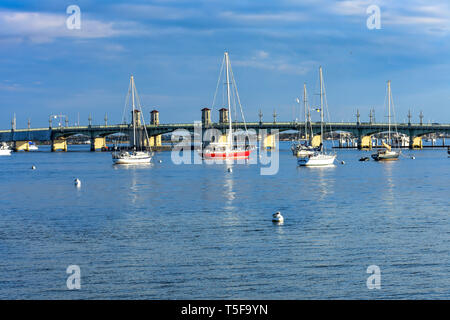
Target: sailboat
(303,147)
(136,152)
(319,157)
(228,150)
(387,153)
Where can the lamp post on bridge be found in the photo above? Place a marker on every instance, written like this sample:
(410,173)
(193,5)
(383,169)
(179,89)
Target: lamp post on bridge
(56,116)
(13,123)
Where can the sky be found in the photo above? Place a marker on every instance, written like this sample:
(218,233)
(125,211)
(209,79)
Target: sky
(174,49)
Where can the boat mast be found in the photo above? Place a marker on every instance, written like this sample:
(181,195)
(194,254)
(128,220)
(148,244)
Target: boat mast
(133,113)
(321,105)
(229,137)
(389,112)
(305,102)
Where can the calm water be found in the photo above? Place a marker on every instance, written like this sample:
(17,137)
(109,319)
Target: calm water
(199,232)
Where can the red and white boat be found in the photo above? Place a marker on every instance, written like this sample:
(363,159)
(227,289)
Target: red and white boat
(228,150)
(222,151)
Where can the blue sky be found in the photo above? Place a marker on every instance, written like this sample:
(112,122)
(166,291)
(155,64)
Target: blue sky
(175,48)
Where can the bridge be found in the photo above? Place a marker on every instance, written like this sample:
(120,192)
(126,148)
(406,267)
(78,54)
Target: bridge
(363,131)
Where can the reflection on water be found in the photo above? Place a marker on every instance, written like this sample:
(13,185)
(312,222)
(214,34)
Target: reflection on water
(388,193)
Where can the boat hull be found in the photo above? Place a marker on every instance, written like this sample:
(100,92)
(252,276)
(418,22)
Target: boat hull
(244,154)
(320,160)
(5,152)
(143,158)
(391,156)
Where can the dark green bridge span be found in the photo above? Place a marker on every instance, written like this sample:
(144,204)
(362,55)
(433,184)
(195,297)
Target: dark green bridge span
(94,131)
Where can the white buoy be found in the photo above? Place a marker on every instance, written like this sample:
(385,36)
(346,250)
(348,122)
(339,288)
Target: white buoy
(160,161)
(277,217)
(342,162)
(33,167)
(412,157)
(230,170)
(77,182)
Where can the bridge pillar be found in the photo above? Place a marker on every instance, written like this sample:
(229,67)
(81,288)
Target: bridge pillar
(98,143)
(415,143)
(21,146)
(223,138)
(269,142)
(154,141)
(315,142)
(60,144)
(365,143)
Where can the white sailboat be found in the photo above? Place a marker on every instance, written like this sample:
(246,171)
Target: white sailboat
(228,150)
(136,152)
(318,158)
(303,147)
(387,154)
(5,150)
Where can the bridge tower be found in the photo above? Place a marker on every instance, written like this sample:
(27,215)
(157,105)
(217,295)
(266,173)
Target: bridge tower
(206,117)
(154,117)
(223,116)
(154,141)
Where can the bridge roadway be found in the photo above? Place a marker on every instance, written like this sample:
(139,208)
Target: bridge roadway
(358,130)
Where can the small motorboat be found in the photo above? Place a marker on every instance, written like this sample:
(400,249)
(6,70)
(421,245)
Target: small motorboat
(5,150)
(32,146)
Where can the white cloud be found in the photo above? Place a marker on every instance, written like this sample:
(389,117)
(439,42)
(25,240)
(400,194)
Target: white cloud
(418,15)
(45,27)
(264,17)
(261,60)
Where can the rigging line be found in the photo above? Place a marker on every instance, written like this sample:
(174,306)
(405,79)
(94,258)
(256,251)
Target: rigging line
(126,102)
(393,111)
(218,81)
(142,113)
(328,114)
(239,100)
(384,106)
(122,137)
